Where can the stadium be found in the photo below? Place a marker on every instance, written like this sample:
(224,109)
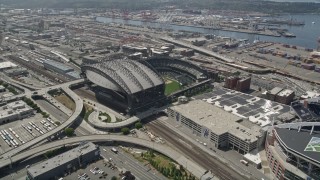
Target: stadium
(135,86)
(293,150)
(308,110)
(182,71)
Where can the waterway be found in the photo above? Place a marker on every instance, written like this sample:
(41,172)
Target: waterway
(306,36)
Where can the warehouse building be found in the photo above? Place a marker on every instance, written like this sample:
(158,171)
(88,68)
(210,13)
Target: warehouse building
(73,75)
(57,66)
(215,127)
(64,163)
(14,111)
(130,48)
(20,71)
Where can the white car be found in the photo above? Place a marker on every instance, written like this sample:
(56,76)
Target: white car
(93,171)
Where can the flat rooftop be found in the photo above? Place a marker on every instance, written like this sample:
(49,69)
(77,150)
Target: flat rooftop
(13,108)
(285,92)
(216,119)
(7,64)
(61,159)
(276,90)
(258,110)
(58,65)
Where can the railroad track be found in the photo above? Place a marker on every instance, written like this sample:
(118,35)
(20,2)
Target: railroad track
(36,68)
(195,153)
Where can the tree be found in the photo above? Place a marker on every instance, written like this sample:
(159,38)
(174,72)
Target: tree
(138,125)
(57,123)
(69,131)
(125,131)
(114,178)
(237,73)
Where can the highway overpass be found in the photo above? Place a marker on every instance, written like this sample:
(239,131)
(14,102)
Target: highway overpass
(124,123)
(79,105)
(173,154)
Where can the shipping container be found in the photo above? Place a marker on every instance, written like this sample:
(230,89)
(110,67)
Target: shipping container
(308,66)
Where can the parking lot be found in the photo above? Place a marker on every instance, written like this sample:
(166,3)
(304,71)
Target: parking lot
(21,131)
(115,164)
(87,174)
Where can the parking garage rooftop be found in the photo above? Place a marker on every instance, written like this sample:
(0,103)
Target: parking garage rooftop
(217,120)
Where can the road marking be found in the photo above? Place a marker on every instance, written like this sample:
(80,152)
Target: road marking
(185,143)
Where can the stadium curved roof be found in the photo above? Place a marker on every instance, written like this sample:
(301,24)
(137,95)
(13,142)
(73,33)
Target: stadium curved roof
(125,75)
(302,143)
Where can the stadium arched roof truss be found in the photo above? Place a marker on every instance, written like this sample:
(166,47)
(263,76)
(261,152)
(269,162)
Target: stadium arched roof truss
(125,75)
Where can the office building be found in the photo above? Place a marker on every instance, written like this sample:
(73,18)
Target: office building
(237,83)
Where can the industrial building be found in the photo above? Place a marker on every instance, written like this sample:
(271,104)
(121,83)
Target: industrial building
(284,96)
(7,65)
(292,151)
(96,58)
(135,56)
(130,48)
(57,66)
(215,127)
(14,111)
(159,52)
(61,68)
(20,71)
(73,75)
(64,163)
(184,52)
(237,83)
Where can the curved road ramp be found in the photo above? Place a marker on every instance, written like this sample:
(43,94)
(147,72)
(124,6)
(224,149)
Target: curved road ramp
(173,154)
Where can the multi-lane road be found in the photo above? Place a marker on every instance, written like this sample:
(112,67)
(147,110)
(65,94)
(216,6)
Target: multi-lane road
(131,164)
(192,167)
(192,151)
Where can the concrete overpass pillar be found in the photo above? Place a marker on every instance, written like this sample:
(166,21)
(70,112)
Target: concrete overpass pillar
(310,167)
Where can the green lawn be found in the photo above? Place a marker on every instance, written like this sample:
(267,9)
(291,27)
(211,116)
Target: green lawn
(171,87)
